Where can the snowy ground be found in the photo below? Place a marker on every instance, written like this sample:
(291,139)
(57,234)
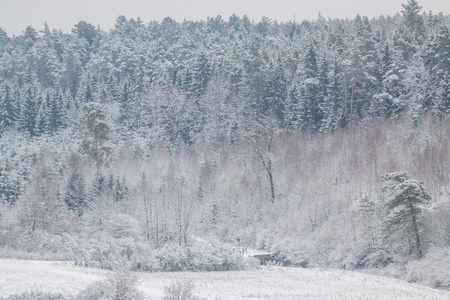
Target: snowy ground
(270,282)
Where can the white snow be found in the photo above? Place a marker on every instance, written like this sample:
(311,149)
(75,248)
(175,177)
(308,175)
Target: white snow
(271,282)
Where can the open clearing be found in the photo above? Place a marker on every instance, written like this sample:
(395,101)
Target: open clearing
(17,276)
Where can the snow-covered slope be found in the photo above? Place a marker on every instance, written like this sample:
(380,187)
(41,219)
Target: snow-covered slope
(270,282)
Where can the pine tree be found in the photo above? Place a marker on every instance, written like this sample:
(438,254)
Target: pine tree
(406,196)
(97,132)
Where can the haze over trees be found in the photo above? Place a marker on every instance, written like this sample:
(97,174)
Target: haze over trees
(145,142)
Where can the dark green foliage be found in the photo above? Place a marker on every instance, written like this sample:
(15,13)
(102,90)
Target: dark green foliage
(97,133)
(311,105)
(99,188)
(85,30)
(119,188)
(275,90)
(413,20)
(55,112)
(443,97)
(76,193)
(8,108)
(406,196)
(29,112)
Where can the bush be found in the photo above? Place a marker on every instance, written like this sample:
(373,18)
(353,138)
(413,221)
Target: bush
(180,290)
(432,270)
(36,296)
(120,285)
(373,258)
(203,259)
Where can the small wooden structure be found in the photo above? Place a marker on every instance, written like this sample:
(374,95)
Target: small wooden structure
(240,250)
(264,258)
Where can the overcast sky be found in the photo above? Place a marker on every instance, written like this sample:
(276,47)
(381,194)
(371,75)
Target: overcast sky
(16,15)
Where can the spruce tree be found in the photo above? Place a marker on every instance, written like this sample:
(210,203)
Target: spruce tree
(29,111)
(55,112)
(76,193)
(413,20)
(275,90)
(8,108)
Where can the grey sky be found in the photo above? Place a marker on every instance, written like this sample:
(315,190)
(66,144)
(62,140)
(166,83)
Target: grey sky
(16,15)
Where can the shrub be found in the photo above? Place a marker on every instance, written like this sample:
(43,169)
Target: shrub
(120,285)
(180,290)
(36,296)
(432,270)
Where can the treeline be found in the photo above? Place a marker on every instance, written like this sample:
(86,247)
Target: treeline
(315,76)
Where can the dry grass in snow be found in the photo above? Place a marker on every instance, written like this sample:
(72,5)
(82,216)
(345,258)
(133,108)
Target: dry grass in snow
(18,276)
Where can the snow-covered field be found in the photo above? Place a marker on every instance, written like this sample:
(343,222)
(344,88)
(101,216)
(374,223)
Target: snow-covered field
(17,276)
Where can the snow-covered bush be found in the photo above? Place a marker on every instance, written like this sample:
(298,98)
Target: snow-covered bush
(173,259)
(44,246)
(120,285)
(180,290)
(124,226)
(293,253)
(432,270)
(110,253)
(373,258)
(36,296)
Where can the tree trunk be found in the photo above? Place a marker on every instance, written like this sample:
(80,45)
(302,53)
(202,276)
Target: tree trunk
(272,187)
(351,103)
(417,237)
(96,154)
(345,107)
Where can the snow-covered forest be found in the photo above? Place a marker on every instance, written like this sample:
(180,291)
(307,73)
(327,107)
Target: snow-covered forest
(165,145)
